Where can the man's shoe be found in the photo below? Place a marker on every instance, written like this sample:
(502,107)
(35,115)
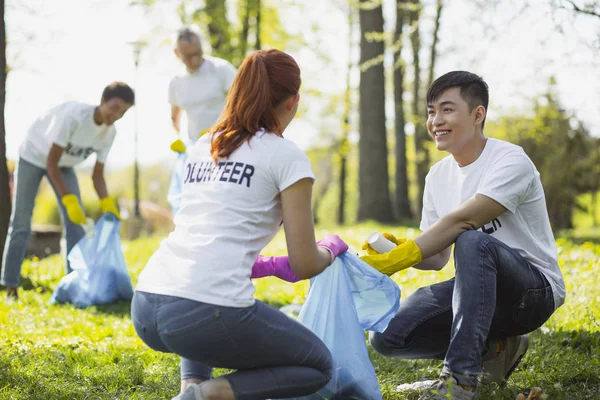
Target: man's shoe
(191,393)
(448,388)
(419,385)
(498,369)
(12,294)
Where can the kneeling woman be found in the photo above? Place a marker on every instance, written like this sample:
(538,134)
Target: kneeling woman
(195,297)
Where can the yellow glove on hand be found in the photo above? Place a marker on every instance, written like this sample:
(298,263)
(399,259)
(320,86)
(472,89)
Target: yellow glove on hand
(107,205)
(178,146)
(405,255)
(74,211)
(370,251)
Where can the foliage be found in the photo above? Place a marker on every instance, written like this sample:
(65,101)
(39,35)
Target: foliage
(564,152)
(58,352)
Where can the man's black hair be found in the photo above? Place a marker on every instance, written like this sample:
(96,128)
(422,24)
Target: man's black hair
(473,89)
(120,90)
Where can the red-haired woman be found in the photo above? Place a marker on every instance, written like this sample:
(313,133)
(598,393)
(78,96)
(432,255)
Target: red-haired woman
(195,297)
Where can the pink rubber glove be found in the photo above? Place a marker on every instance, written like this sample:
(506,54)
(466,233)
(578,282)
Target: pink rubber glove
(334,244)
(273,266)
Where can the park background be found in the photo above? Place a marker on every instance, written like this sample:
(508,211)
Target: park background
(366,66)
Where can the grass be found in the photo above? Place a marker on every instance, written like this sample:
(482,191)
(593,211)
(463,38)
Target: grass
(61,352)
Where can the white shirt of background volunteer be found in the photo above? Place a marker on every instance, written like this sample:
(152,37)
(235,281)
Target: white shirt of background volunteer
(71,126)
(504,173)
(229,213)
(202,94)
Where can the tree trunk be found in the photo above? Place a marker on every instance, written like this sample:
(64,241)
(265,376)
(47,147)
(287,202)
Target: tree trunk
(434,43)
(344,144)
(257,44)
(373,177)
(5,201)
(595,208)
(325,167)
(245,30)
(342,201)
(420,135)
(219,28)
(402,205)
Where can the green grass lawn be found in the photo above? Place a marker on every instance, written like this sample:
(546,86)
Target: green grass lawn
(61,352)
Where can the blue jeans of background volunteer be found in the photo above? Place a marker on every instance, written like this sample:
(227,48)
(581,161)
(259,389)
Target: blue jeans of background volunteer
(274,355)
(27,182)
(495,294)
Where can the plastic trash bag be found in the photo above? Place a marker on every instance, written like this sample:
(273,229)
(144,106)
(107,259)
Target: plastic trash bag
(176,184)
(99,273)
(346,299)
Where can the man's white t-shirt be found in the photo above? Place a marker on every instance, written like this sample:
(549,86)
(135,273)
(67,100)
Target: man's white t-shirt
(228,213)
(504,173)
(70,125)
(202,94)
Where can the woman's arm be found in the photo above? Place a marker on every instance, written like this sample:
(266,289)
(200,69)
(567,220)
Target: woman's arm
(305,257)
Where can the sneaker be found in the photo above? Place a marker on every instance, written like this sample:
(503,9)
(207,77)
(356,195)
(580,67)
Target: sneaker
(12,295)
(498,369)
(191,393)
(448,388)
(420,385)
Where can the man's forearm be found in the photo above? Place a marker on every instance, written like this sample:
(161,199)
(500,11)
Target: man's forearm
(433,263)
(440,236)
(57,179)
(100,186)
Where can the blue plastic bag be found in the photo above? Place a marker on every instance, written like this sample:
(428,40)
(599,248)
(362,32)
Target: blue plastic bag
(346,299)
(99,273)
(176,184)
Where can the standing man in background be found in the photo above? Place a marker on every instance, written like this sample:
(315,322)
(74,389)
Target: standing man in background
(200,90)
(58,140)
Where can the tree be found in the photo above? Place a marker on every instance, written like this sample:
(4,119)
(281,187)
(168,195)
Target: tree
(219,28)
(591,8)
(420,134)
(563,151)
(5,201)
(374,195)
(344,143)
(402,203)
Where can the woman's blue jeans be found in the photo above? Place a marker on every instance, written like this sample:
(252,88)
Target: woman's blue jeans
(273,355)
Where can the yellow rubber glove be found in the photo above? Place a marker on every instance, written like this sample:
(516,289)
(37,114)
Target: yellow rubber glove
(107,205)
(74,210)
(403,256)
(370,251)
(178,146)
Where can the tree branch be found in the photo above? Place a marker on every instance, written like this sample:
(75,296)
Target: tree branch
(576,8)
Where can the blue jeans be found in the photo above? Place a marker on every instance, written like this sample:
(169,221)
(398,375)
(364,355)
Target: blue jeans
(275,356)
(27,182)
(495,294)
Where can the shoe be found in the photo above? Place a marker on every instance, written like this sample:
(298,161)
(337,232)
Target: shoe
(448,388)
(420,385)
(191,393)
(498,369)
(12,295)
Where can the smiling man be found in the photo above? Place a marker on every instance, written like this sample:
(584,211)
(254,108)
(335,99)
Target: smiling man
(487,200)
(57,141)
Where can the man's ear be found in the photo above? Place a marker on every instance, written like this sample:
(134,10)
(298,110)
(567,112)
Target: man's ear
(177,53)
(480,114)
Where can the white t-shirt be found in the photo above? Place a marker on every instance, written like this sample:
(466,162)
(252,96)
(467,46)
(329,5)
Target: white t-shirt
(70,125)
(202,94)
(504,173)
(228,213)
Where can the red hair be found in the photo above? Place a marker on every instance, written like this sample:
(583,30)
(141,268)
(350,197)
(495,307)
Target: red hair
(265,79)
